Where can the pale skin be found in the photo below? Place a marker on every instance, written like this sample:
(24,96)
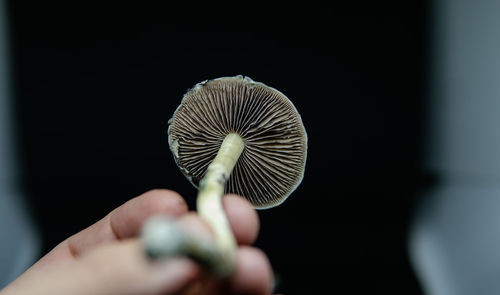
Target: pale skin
(108,257)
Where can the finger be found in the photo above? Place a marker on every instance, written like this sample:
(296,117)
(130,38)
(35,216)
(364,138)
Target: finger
(126,220)
(242,217)
(253,274)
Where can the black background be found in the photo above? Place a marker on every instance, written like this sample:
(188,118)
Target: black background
(95,87)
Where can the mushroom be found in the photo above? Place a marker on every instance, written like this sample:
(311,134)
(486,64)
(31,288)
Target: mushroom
(231,135)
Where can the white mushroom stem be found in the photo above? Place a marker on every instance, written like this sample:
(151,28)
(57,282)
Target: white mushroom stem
(163,237)
(209,201)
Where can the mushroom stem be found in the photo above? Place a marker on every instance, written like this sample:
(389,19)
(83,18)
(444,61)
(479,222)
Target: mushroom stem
(163,237)
(209,201)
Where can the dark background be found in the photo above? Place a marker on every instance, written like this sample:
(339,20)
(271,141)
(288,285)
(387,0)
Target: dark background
(95,87)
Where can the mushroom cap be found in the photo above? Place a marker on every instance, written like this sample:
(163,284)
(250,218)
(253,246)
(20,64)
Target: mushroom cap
(272,163)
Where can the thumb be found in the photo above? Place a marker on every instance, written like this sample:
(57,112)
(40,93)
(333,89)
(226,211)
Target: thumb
(114,268)
(123,268)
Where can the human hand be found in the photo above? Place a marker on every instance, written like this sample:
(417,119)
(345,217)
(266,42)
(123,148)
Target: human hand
(108,257)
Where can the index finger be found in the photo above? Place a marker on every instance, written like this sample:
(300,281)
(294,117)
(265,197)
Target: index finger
(123,222)
(126,220)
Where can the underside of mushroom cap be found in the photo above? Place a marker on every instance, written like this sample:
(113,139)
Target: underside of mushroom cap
(273,160)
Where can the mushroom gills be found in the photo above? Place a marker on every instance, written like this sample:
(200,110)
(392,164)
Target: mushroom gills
(273,162)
